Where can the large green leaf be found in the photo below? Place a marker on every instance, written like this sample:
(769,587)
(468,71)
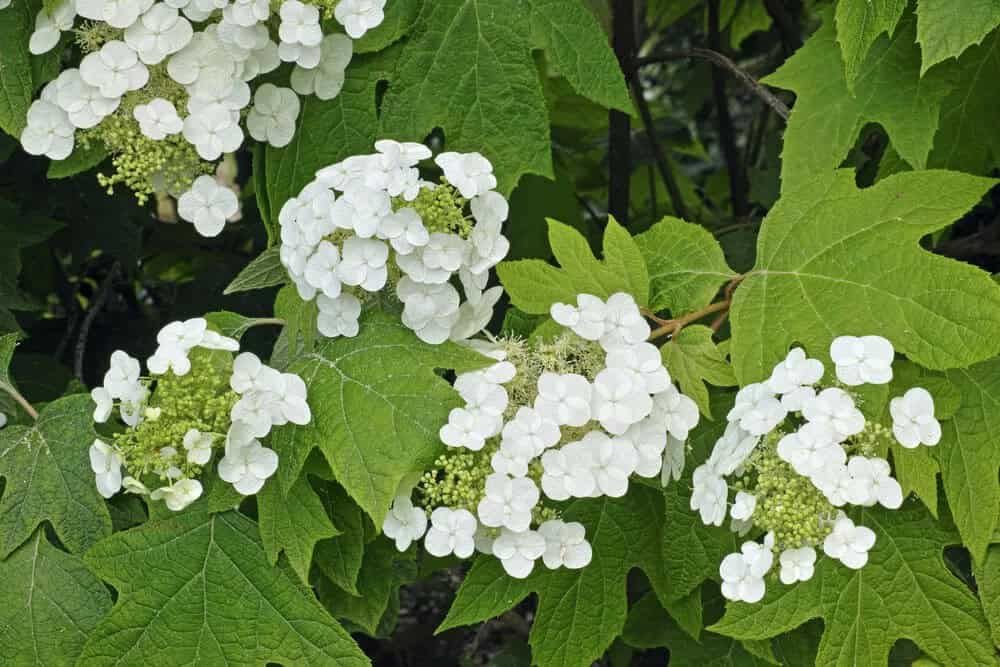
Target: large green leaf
(200,586)
(905,591)
(49,603)
(16,82)
(946,28)
(834,260)
(693,359)
(534,285)
(339,558)
(47,469)
(988,576)
(859,24)
(827,116)
(292,523)
(377,406)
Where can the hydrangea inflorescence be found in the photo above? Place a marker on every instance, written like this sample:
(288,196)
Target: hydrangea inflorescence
(797,452)
(197,400)
(164,86)
(572,417)
(388,226)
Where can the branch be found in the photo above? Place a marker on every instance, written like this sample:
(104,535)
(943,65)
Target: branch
(666,172)
(738,186)
(619,124)
(788,27)
(88,320)
(716,58)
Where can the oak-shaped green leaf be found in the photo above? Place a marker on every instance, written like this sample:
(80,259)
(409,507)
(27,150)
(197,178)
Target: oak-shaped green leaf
(198,589)
(693,359)
(16,81)
(988,577)
(905,591)
(946,28)
(377,406)
(859,24)
(827,116)
(339,558)
(292,523)
(400,16)
(534,285)
(835,260)
(47,469)
(49,603)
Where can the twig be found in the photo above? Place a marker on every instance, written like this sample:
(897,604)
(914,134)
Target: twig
(21,400)
(674,326)
(88,320)
(788,27)
(666,172)
(738,185)
(716,58)
(587,206)
(619,124)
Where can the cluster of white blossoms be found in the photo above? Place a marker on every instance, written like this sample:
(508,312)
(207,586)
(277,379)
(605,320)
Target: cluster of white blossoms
(798,452)
(575,418)
(196,400)
(371,221)
(164,86)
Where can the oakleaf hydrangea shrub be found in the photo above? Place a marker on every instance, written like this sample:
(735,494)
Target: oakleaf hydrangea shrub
(198,404)
(170,88)
(796,452)
(371,221)
(577,416)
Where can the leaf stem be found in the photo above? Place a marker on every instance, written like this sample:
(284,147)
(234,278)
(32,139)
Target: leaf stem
(21,400)
(673,326)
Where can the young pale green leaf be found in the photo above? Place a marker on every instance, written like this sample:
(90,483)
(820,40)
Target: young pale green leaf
(47,469)
(859,24)
(578,48)
(827,117)
(988,577)
(905,591)
(265,270)
(293,523)
(49,603)
(377,406)
(834,260)
(534,285)
(299,317)
(201,585)
(233,324)
(693,360)
(7,344)
(969,456)
(686,265)
(946,28)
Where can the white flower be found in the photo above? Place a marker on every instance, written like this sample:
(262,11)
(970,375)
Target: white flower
(614,460)
(160,32)
(673,461)
(475,314)
(207,204)
(259,409)
(470,173)
(103,404)
(49,25)
(797,564)
(623,323)
(467,429)
(429,310)
(565,397)
(247,13)
(158,119)
(167,358)
(273,114)
(518,551)
(84,104)
(122,377)
(48,131)
(867,359)
(213,131)
(833,409)
(359,16)
(363,262)
(849,543)
(114,70)
(404,523)
(132,485)
(872,482)
(338,317)
(198,446)
(249,373)
(567,472)
(205,53)
(508,502)
(731,450)
(246,467)
(106,464)
(307,57)
(451,532)
(757,410)
(913,421)
(116,13)
(327,78)
(404,230)
(811,450)
(644,360)
(481,395)
(619,400)
(793,379)
(677,412)
(321,269)
(649,440)
(299,24)
(709,495)
(534,428)
(513,457)
(487,245)
(565,545)
(744,506)
(178,495)
(739,582)
(835,483)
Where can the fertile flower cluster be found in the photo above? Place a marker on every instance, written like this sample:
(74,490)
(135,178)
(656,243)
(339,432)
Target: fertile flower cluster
(389,226)
(571,418)
(798,452)
(163,86)
(197,399)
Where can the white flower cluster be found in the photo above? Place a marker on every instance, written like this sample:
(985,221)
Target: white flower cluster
(336,247)
(589,435)
(264,397)
(790,427)
(210,51)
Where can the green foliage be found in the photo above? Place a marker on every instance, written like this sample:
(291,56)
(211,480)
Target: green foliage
(48,478)
(938,312)
(946,29)
(17,84)
(177,581)
(693,359)
(264,271)
(292,523)
(859,24)
(905,590)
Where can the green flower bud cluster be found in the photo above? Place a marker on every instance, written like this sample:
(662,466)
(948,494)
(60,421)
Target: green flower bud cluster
(200,400)
(458,478)
(326,7)
(442,209)
(788,503)
(873,441)
(90,36)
